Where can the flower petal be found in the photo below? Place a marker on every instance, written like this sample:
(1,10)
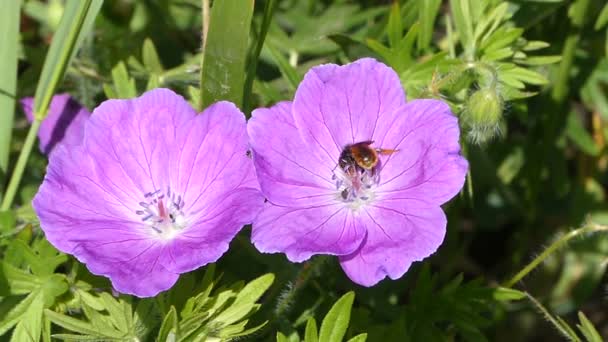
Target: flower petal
(64,122)
(303,232)
(90,203)
(137,135)
(206,239)
(211,159)
(339,105)
(288,169)
(399,232)
(427,163)
(136,270)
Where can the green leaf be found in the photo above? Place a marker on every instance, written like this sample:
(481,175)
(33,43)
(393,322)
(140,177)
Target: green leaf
(359,338)
(76,325)
(427,10)
(394,28)
(522,75)
(15,314)
(602,19)
(169,329)
(535,45)
(539,60)
(9,46)
(463,20)
(150,57)
(7,218)
(245,300)
(501,38)
(225,52)
(311,334)
(587,328)
(505,294)
(119,310)
(289,72)
(489,23)
(579,135)
(77,19)
(30,324)
(93,301)
(336,321)
(124,85)
(281,337)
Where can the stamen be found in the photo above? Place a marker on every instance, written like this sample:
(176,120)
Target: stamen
(355,185)
(163,212)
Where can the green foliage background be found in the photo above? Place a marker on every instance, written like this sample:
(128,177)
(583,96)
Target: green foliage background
(527,78)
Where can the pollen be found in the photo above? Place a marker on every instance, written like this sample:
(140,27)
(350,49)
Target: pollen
(162,212)
(355,185)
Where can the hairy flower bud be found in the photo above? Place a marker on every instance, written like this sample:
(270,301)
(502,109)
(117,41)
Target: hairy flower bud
(483,114)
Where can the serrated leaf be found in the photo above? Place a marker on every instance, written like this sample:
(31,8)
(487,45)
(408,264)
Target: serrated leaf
(29,326)
(335,323)
(78,326)
(93,301)
(16,313)
(249,331)
(359,338)
(245,300)
(52,287)
(587,328)
(15,281)
(311,334)
(119,310)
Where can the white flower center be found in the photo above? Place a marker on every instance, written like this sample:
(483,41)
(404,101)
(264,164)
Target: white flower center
(355,185)
(162,212)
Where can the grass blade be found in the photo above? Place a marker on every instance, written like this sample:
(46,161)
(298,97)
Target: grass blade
(76,16)
(9,43)
(225,55)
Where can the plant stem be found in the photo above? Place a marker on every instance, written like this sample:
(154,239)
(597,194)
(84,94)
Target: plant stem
(20,167)
(592,228)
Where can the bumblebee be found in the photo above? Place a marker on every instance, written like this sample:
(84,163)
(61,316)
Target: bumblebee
(361,155)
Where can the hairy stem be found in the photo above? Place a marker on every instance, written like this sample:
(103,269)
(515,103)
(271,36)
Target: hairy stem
(589,229)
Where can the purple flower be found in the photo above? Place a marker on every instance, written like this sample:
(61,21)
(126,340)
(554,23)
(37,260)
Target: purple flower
(308,155)
(64,123)
(153,190)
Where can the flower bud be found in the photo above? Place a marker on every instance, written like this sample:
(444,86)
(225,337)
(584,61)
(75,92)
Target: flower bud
(483,114)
